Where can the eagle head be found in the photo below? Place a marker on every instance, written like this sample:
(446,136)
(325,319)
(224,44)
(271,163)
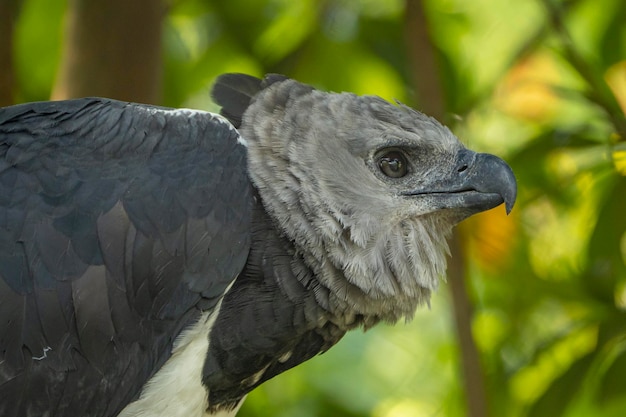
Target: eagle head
(367,191)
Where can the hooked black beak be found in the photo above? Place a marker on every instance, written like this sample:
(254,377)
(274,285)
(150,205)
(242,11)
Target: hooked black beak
(479,182)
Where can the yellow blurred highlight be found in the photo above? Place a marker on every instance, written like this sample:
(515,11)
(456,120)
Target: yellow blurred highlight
(404,407)
(560,231)
(619,160)
(490,329)
(378,78)
(526,93)
(620,295)
(291,26)
(616,79)
(563,164)
(192,34)
(491,237)
(530,382)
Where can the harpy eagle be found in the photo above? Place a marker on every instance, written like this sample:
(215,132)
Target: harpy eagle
(163,262)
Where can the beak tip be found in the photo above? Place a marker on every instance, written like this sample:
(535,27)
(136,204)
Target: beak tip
(497,176)
(509,198)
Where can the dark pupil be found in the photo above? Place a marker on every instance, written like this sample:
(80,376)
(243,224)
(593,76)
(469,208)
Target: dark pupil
(393,165)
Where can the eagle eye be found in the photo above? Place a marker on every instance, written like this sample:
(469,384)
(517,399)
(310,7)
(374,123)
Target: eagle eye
(393,164)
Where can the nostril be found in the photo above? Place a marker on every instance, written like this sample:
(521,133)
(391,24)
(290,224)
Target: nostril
(462,168)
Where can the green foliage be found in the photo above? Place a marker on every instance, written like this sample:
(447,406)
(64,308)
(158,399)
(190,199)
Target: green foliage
(540,82)
(37,47)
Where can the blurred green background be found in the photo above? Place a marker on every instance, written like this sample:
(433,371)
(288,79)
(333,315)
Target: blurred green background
(532,321)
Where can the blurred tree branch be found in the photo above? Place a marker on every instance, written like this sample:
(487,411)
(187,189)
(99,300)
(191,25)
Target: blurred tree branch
(9,10)
(112,48)
(427,82)
(424,68)
(599,91)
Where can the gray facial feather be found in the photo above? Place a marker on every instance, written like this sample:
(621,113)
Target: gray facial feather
(311,155)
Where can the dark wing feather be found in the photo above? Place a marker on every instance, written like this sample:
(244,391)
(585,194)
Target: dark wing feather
(119,224)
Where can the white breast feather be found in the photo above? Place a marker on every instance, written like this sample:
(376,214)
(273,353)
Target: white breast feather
(176,390)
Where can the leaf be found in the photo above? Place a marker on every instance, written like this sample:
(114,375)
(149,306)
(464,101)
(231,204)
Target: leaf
(606,260)
(37,47)
(611,387)
(612,46)
(617,82)
(290,28)
(563,390)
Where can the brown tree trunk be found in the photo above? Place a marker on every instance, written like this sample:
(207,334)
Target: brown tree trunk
(112,48)
(424,68)
(8,13)
(474,378)
(428,88)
